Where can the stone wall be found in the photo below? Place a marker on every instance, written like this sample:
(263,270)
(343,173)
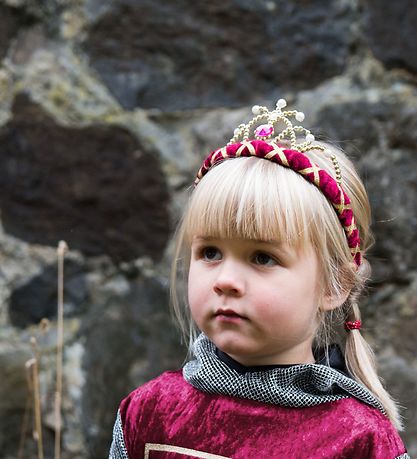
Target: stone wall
(106,110)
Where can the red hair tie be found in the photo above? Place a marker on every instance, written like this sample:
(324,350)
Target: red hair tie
(356,325)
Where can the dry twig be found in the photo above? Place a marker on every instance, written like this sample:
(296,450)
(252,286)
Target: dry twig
(33,370)
(62,248)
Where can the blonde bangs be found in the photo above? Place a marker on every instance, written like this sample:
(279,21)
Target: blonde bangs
(256,199)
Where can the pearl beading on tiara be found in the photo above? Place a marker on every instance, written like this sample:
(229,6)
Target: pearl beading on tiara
(271,120)
(290,133)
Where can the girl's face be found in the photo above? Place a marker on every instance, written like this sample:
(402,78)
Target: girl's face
(256,301)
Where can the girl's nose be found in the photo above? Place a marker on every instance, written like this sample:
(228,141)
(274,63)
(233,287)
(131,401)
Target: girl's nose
(229,280)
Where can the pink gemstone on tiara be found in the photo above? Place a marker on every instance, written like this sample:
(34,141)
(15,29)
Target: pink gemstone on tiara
(264,130)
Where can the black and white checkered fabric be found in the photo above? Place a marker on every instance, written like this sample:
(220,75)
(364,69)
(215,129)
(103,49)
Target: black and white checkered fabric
(118,448)
(294,386)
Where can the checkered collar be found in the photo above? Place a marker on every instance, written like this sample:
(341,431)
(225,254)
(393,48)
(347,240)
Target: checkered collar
(293,386)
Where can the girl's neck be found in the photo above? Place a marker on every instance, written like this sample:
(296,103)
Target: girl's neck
(288,359)
(332,357)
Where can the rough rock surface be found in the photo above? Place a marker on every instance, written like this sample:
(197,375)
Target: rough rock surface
(191,54)
(40,292)
(8,26)
(107,109)
(385,160)
(138,315)
(94,186)
(390,29)
(13,392)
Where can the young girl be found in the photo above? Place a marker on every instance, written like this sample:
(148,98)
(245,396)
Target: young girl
(273,245)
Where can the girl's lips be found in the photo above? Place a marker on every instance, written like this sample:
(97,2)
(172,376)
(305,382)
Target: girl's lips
(228,315)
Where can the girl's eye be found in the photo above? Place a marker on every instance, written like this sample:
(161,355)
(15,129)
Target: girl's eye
(263,259)
(211,254)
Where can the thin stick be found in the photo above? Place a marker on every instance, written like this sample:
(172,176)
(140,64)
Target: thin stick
(24,430)
(32,365)
(29,402)
(62,248)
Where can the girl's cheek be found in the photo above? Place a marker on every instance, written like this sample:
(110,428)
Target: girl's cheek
(193,300)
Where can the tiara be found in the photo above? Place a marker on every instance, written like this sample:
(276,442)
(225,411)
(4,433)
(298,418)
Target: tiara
(268,142)
(278,128)
(266,131)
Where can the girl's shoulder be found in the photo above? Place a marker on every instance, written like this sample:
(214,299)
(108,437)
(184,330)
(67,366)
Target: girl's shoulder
(366,424)
(148,407)
(158,384)
(166,386)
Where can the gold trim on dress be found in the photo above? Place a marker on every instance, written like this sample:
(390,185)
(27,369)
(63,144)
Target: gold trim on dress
(178,449)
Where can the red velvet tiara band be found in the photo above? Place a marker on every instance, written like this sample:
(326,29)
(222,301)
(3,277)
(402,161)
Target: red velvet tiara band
(294,159)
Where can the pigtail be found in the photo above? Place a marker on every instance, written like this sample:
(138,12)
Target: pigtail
(345,276)
(360,362)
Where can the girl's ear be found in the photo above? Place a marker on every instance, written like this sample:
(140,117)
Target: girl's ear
(331,302)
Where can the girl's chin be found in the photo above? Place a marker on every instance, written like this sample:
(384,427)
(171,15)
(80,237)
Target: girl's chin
(233,346)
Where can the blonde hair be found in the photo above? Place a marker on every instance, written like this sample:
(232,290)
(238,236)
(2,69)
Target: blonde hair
(257,199)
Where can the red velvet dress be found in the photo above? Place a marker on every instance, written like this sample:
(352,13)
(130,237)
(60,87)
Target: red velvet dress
(170,418)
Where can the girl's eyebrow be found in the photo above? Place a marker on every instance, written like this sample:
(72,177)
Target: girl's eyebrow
(284,249)
(275,243)
(202,238)
(263,241)
(276,246)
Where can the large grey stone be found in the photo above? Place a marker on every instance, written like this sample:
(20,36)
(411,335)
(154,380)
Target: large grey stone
(184,54)
(37,298)
(94,187)
(390,28)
